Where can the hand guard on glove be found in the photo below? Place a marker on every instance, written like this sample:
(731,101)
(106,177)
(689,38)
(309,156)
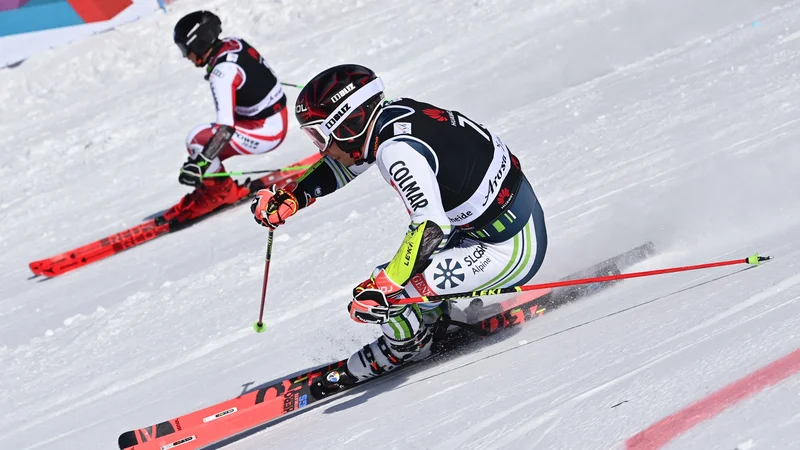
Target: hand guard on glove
(271,207)
(193,171)
(369,304)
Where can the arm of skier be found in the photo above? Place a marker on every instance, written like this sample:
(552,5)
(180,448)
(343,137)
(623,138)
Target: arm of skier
(410,174)
(271,207)
(224,79)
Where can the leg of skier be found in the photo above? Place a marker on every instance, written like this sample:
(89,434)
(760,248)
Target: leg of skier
(505,254)
(253,137)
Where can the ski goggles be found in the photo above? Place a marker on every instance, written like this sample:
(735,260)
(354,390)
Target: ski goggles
(321,133)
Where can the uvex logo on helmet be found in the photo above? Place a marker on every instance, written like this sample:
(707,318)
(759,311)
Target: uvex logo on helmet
(331,124)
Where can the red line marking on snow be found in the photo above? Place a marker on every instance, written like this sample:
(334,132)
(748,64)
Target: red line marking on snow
(663,431)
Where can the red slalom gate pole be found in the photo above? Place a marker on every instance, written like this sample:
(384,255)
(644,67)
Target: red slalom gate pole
(259,326)
(753,260)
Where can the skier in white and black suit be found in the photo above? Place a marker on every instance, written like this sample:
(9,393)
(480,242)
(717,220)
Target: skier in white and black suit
(251,113)
(475,220)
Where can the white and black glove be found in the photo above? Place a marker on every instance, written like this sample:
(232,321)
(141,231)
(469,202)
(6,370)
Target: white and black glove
(195,168)
(193,171)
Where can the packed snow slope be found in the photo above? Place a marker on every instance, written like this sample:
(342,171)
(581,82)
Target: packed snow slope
(670,120)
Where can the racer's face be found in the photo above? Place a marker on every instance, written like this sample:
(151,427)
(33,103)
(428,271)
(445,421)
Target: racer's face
(193,58)
(199,61)
(338,154)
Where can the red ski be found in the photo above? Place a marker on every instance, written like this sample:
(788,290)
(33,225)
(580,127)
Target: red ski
(248,413)
(224,420)
(101,249)
(147,231)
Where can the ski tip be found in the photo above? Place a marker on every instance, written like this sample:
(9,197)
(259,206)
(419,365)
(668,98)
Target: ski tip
(127,439)
(756,259)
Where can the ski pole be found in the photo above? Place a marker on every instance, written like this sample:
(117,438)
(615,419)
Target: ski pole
(255,172)
(753,260)
(298,86)
(259,326)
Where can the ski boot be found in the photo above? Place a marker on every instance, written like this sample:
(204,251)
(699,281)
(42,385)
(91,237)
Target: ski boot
(385,354)
(212,194)
(334,381)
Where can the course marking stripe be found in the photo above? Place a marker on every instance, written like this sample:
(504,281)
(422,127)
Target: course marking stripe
(663,431)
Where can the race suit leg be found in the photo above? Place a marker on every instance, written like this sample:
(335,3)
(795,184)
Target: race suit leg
(252,137)
(481,259)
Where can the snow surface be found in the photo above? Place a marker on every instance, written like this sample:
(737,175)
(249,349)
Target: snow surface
(670,120)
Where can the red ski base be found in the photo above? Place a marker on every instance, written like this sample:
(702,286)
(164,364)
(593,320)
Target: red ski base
(252,411)
(101,249)
(226,419)
(147,231)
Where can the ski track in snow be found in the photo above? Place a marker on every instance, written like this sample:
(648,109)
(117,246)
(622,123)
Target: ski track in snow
(667,120)
(486,427)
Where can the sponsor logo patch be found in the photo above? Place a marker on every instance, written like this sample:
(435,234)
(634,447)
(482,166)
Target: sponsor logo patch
(477,260)
(289,401)
(402,128)
(481,266)
(407,186)
(247,142)
(503,196)
(331,124)
(459,217)
(338,96)
(214,95)
(436,114)
(496,180)
(219,414)
(179,442)
(419,283)
(450,273)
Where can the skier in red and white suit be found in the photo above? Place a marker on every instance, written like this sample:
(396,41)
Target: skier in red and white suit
(251,114)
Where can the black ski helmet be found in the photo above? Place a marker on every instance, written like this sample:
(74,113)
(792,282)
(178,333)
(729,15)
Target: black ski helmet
(339,104)
(197,32)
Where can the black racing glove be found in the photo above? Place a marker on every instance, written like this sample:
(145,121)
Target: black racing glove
(193,170)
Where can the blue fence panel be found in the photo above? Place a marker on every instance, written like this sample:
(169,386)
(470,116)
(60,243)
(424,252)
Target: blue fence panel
(38,15)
